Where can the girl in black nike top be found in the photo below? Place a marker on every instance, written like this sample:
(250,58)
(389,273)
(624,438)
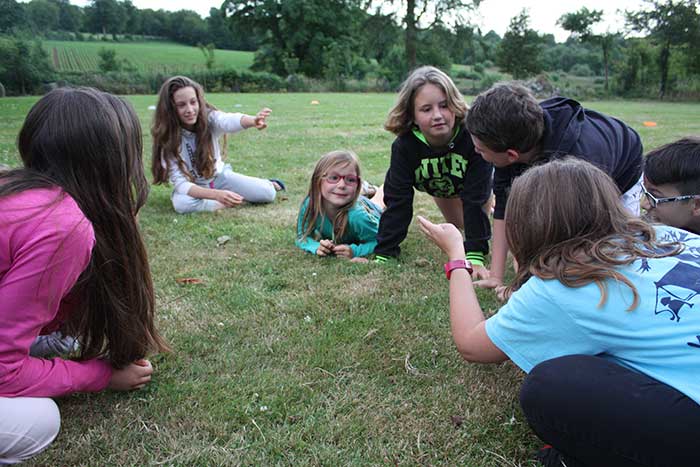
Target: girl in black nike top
(434,153)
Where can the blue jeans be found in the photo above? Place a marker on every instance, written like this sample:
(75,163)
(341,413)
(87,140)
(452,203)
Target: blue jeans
(598,413)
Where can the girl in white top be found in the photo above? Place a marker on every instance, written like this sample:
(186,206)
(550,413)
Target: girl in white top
(186,151)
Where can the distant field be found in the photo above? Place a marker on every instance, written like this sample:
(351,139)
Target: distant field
(145,56)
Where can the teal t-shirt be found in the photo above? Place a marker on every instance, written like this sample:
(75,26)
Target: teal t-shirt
(660,337)
(360,234)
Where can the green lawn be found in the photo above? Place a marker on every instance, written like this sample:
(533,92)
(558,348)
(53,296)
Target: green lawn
(284,358)
(154,56)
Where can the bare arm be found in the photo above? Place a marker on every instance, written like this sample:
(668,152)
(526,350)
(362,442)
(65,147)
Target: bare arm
(225,197)
(258,121)
(466,318)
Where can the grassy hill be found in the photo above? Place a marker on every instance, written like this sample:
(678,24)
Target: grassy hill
(154,56)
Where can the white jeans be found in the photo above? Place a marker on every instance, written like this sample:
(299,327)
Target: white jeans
(252,189)
(27,426)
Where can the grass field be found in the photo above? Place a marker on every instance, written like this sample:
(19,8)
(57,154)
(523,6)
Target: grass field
(281,358)
(152,56)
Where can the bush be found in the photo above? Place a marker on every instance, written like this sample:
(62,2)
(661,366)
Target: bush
(581,69)
(478,68)
(488,63)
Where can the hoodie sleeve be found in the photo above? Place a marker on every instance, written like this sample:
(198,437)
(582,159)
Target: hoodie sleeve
(477,190)
(398,198)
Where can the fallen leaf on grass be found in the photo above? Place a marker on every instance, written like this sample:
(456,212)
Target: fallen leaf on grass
(223,240)
(457,420)
(189,280)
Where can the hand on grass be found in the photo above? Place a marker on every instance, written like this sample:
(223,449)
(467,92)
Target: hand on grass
(446,236)
(480,272)
(490,282)
(343,251)
(133,376)
(229,198)
(325,248)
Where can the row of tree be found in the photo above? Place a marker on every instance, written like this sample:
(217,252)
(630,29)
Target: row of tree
(335,40)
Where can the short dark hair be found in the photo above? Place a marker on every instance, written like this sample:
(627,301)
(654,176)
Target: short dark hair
(677,163)
(506,116)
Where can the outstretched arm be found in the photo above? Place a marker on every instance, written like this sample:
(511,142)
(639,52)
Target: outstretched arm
(258,121)
(466,318)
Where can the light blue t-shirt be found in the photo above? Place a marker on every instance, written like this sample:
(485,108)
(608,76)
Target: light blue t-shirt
(660,337)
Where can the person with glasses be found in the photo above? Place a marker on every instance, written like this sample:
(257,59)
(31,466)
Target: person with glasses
(672,184)
(335,219)
(433,153)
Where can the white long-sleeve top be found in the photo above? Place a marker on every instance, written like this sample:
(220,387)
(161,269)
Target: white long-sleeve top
(220,123)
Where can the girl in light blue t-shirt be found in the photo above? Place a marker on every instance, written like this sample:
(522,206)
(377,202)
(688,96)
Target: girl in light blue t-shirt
(603,315)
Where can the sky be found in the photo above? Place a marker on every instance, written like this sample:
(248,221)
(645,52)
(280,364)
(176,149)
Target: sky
(492,14)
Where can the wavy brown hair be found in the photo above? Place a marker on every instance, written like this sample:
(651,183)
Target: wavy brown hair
(166,133)
(400,119)
(89,144)
(565,221)
(314,210)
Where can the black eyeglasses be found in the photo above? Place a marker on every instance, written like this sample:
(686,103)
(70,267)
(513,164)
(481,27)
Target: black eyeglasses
(653,200)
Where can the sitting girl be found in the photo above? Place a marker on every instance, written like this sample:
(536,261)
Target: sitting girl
(601,315)
(186,131)
(335,219)
(72,260)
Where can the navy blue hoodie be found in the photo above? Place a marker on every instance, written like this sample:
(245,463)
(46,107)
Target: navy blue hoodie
(569,129)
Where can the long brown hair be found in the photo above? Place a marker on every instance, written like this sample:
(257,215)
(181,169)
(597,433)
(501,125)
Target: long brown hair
(166,132)
(314,210)
(89,144)
(400,119)
(565,221)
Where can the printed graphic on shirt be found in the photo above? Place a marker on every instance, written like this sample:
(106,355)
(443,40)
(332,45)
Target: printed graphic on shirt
(193,161)
(442,177)
(677,289)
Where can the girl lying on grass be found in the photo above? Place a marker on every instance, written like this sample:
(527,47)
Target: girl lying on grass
(334,218)
(186,152)
(601,315)
(72,259)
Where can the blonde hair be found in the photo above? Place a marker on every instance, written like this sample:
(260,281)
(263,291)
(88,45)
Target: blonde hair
(314,210)
(565,221)
(400,119)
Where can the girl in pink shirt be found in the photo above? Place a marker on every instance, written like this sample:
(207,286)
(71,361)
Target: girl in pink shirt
(72,260)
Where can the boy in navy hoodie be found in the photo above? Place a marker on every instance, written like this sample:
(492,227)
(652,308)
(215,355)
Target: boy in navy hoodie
(513,131)
(672,184)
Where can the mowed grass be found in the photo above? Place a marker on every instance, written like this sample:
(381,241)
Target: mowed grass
(282,358)
(151,56)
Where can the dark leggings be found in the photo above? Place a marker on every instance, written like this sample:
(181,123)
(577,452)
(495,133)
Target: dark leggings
(597,413)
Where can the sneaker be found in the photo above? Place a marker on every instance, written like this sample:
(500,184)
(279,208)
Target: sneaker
(550,457)
(368,189)
(54,344)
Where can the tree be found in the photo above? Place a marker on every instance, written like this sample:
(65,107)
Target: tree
(416,11)
(13,15)
(580,23)
(106,16)
(519,51)
(43,15)
(669,23)
(296,34)
(70,17)
(108,60)
(23,65)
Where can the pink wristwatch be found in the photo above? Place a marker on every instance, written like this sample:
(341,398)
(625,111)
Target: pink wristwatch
(457,264)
